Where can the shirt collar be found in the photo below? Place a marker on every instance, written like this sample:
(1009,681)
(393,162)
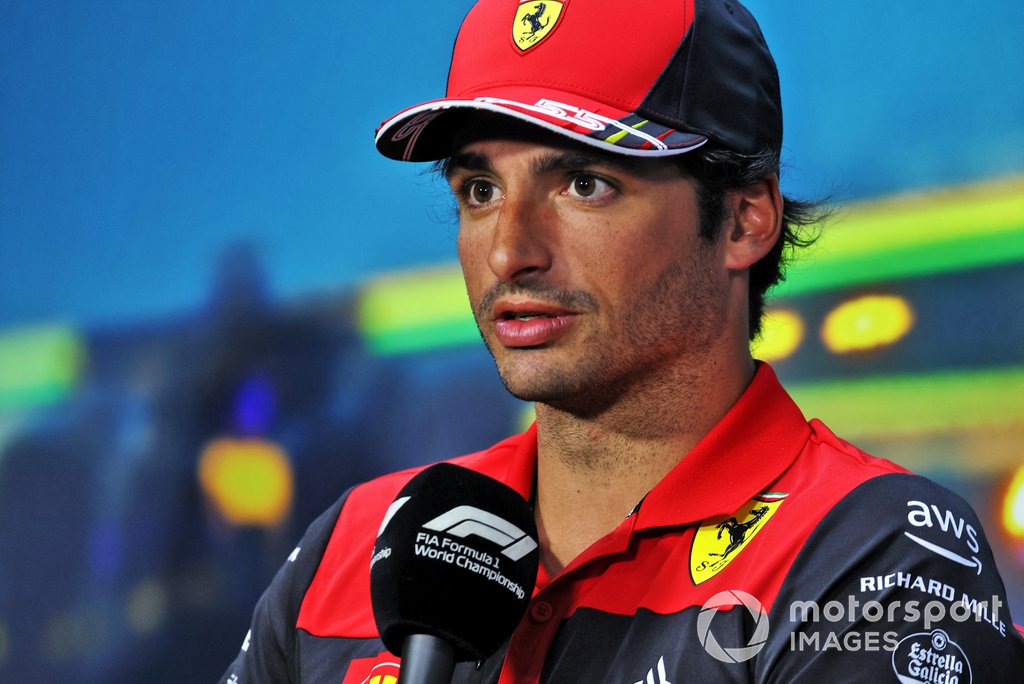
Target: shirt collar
(749,448)
(512,461)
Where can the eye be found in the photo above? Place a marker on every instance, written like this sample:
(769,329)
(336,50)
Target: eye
(478,192)
(588,186)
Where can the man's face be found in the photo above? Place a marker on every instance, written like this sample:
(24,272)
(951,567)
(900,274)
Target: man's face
(585,270)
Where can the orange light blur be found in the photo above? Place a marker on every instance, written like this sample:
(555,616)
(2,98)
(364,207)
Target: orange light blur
(249,481)
(1013,506)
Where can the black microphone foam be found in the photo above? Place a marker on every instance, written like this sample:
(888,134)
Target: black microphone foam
(456,557)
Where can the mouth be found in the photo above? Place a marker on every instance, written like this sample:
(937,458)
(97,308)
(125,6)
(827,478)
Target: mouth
(514,316)
(530,324)
(527,311)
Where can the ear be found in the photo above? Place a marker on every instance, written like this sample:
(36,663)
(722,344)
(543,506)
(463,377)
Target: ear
(756,212)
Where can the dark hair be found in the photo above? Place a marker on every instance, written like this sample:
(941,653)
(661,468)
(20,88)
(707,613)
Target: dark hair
(718,170)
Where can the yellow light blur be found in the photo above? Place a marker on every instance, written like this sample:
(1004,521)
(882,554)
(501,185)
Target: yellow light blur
(867,323)
(527,415)
(1013,506)
(782,332)
(249,481)
(146,606)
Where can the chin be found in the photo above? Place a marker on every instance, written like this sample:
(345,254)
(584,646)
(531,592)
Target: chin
(534,384)
(561,378)
(527,390)
(560,388)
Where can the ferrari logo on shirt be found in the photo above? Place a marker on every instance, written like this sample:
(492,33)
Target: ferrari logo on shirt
(383,679)
(382,669)
(719,540)
(534,21)
(384,673)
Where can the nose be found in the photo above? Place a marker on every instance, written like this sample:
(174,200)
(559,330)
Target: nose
(521,244)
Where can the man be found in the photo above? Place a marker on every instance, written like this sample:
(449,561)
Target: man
(616,171)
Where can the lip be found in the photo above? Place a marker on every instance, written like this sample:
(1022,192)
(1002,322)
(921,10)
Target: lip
(530,324)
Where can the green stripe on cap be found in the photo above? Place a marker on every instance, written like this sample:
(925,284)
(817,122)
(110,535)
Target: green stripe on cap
(613,139)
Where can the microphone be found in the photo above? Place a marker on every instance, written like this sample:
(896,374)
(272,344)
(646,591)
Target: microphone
(452,572)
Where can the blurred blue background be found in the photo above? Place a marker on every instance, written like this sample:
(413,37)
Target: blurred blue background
(219,307)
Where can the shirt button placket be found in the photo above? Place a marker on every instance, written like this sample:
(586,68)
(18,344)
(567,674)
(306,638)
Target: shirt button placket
(541,612)
(524,659)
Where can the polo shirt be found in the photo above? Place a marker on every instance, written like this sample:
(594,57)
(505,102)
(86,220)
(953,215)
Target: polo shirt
(773,552)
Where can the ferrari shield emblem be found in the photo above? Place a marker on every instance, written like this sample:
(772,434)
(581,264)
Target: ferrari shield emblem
(534,21)
(721,539)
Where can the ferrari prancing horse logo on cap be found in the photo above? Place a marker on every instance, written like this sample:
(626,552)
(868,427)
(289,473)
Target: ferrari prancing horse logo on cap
(535,19)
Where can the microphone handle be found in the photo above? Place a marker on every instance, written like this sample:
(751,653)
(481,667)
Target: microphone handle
(426,659)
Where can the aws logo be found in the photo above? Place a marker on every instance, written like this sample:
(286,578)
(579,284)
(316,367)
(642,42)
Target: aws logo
(950,526)
(719,540)
(535,21)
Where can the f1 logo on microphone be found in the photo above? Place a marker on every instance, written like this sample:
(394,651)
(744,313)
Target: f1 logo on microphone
(465,521)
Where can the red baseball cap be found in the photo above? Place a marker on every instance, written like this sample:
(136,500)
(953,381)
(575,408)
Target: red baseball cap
(643,78)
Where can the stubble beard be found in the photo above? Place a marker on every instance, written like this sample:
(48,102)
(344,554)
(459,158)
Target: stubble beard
(675,321)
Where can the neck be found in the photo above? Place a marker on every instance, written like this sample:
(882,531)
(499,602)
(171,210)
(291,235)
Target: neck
(592,469)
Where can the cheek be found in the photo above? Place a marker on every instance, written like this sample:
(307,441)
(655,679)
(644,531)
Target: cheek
(634,251)
(461,245)
(468,247)
(473,260)
(473,241)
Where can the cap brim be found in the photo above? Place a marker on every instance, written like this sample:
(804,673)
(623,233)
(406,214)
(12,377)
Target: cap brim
(427,131)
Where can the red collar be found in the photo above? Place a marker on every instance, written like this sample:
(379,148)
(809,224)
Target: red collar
(749,448)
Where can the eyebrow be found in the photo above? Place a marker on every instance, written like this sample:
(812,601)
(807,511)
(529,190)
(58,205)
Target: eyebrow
(565,161)
(466,161)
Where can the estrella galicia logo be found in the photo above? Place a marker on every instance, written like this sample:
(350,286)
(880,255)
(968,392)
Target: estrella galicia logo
(930,658)
(465,521)
(728,599)
(721,539)
(534,21)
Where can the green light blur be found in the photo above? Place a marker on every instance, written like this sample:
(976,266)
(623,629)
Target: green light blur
(415,312)
(38,366)
(941,402)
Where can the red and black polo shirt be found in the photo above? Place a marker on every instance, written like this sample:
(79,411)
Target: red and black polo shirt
(773,552)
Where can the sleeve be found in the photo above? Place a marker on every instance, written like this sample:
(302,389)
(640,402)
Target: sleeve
(896,583)
(268,654)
